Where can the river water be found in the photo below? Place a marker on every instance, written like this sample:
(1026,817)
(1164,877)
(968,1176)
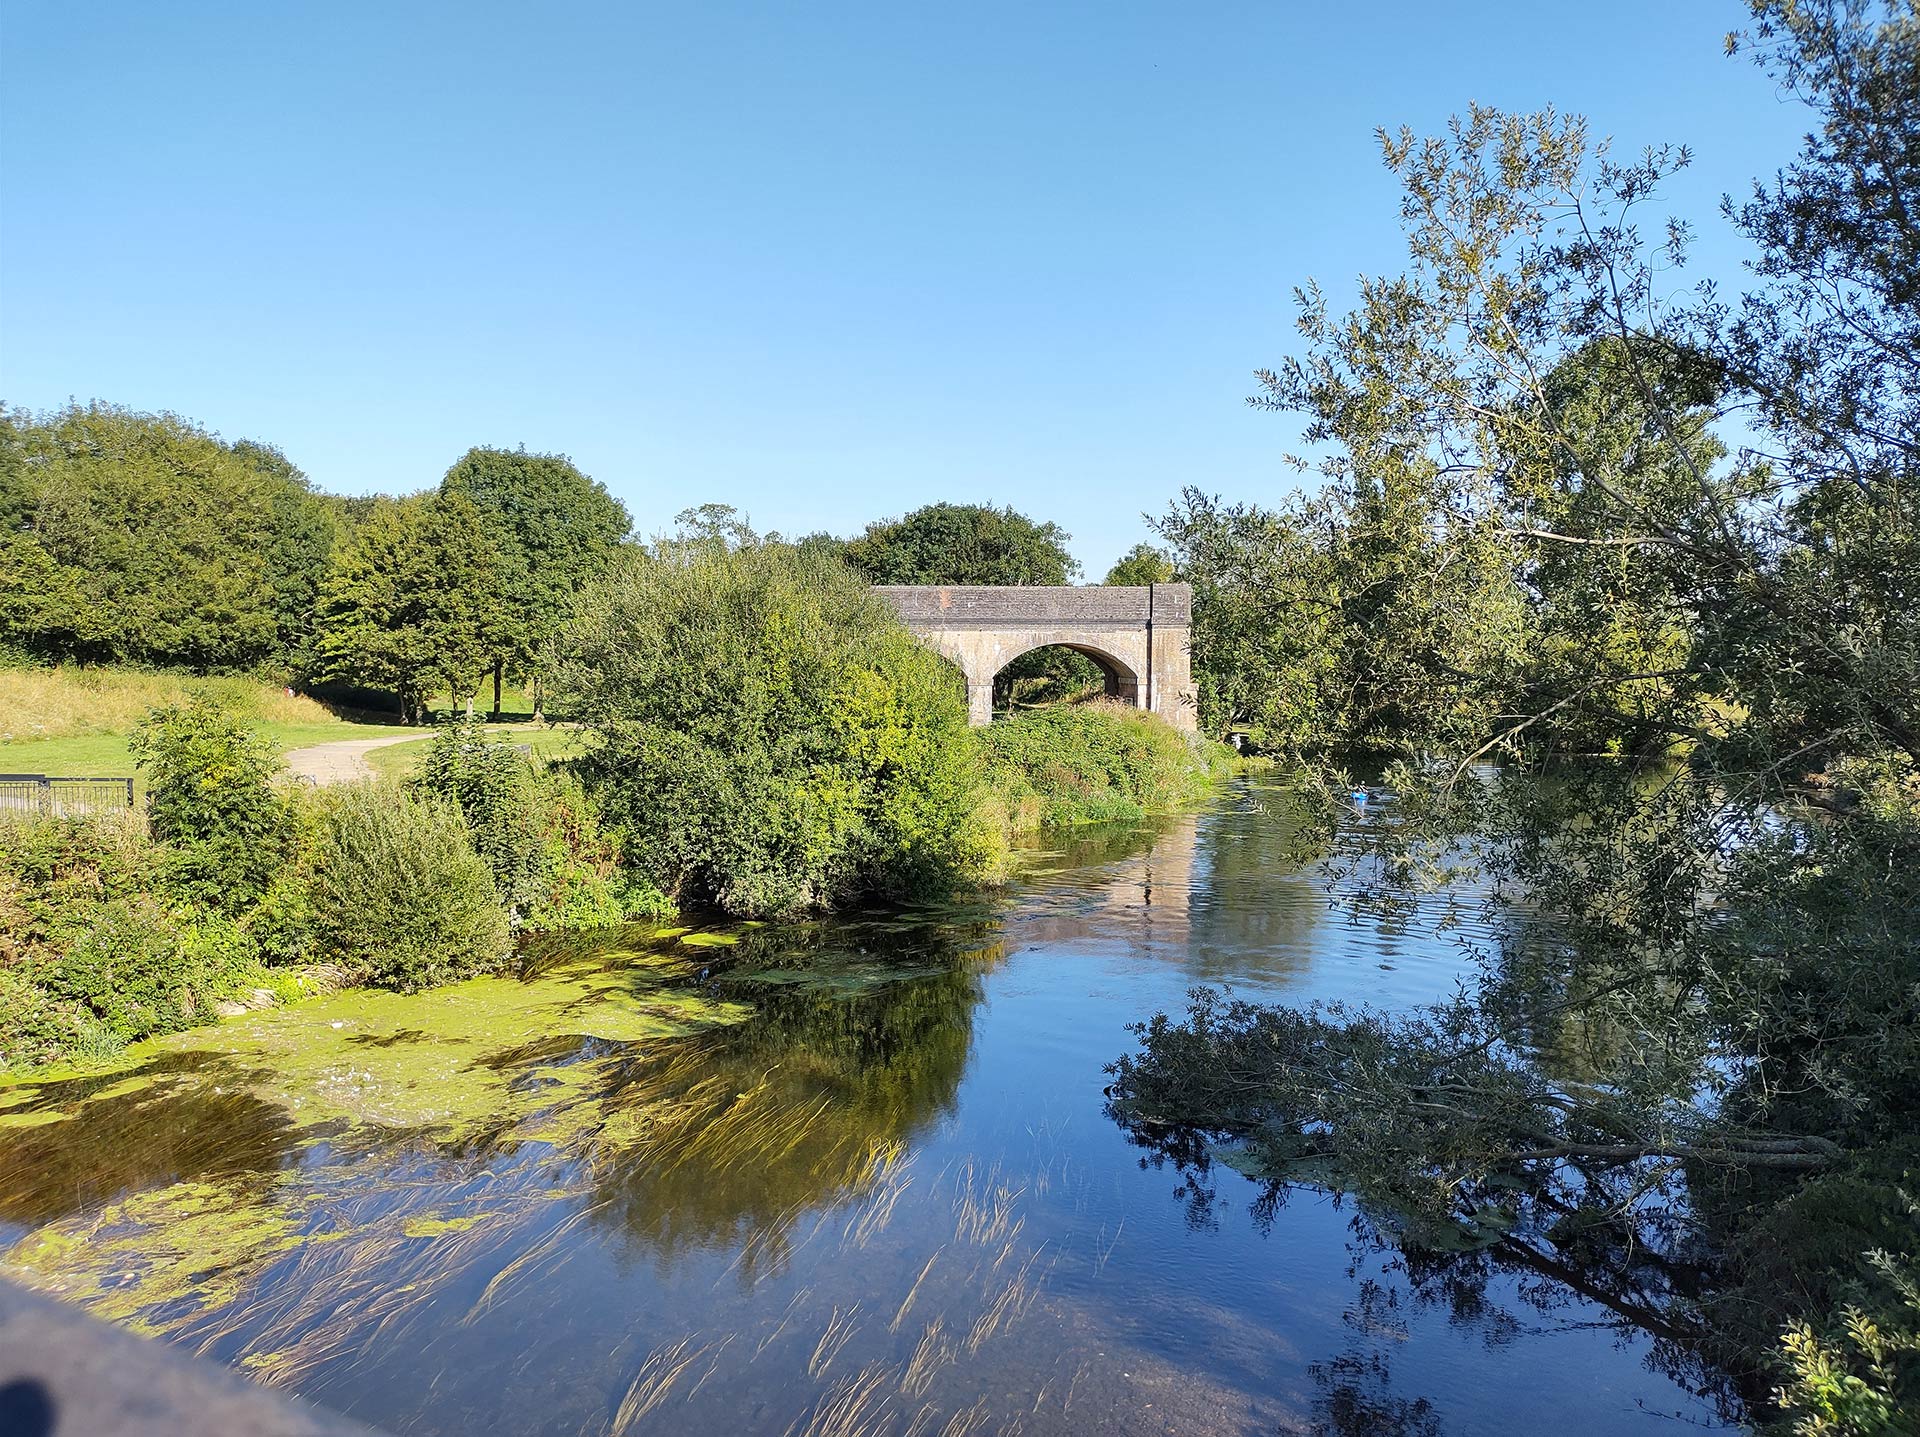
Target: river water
(843,1178)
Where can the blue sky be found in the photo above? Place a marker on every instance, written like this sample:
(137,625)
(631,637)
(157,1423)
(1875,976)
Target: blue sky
(822,262)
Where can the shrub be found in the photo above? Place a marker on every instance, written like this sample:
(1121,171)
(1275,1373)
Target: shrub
(90,957)
(772,738)
(492,784)
(580,881)
(142,969)
(399,892)
(210,798)
(1087,763)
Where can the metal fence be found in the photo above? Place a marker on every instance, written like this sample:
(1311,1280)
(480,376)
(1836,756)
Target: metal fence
(84,797)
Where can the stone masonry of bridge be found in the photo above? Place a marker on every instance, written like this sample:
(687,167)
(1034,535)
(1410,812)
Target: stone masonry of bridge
(1140,636)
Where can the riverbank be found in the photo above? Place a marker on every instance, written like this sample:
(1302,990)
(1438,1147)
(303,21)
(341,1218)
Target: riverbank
(851,1164)
(110,933)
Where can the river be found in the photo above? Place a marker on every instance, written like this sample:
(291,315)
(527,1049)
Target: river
(846,1177)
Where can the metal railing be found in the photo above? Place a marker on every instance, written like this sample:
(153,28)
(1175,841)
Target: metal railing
(64,797)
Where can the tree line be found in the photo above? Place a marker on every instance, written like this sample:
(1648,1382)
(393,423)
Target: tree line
(145,539)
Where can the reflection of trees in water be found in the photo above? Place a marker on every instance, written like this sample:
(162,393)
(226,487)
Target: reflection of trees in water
(119,1145)
(730,1137)
(1644,1278)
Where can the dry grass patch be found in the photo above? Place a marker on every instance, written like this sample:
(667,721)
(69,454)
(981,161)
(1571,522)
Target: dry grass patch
(69,701)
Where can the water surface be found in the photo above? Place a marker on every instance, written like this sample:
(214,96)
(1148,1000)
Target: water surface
(850,1177)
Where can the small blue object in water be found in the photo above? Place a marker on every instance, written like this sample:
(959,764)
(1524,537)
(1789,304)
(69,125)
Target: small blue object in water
(1359,795)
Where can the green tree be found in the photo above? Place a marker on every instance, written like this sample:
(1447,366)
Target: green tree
(1142,564)
(554,531)
(301,532)
(1736,902)
(770,738)
(169,545)
(963,544)
(408,604)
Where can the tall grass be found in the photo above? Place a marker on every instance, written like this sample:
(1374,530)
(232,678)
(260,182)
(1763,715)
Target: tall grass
(69,701)
(1093,763)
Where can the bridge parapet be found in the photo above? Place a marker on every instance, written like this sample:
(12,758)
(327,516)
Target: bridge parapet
(1139,635)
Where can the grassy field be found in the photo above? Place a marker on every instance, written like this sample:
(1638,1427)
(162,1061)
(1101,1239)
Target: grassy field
(105,755)
(73,722)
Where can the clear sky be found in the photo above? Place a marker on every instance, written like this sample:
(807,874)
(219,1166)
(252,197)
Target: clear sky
(824,262)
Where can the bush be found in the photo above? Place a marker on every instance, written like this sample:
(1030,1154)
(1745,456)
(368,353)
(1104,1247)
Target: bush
(210,798)
(1096,762)
(492,784)
(772,738)
(580,882)
(142,969)
(400,893)
(90,957)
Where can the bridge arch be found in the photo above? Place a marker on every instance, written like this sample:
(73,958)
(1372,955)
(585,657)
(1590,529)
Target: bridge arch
(1122,679)
(1140,635)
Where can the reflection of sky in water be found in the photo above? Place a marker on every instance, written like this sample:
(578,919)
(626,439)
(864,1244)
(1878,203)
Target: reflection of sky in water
(877,1206)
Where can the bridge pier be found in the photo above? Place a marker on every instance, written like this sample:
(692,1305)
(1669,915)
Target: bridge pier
(1140,635)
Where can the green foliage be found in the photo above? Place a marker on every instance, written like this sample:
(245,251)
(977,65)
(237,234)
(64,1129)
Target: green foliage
(1090,763)
(1861,1376)
(144,538)
(537,831)
(1361,618)
(963,544)
(554,531)
(771,739)
(210,796)
(1533,545)
(91,956)
(410,603)
(141,968)
(1048,675)
(1142,564)
(580,880)
(493,786)
(399,893)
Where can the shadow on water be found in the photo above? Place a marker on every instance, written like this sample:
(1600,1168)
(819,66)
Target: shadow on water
(727,1139)
(118,1144)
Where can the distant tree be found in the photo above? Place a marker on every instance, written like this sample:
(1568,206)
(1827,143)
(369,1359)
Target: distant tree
(715,526)
(1142,564)
(301,532)
(43,611)
(963,544)
(553,530)
(410,601)
(166,545)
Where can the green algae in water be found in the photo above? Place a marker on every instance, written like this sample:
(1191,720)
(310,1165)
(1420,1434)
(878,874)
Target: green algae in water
(33,1118)
(188,1244)
(438,1226)
(422,1060)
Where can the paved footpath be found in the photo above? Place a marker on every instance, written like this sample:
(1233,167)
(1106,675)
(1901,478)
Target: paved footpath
(344,760)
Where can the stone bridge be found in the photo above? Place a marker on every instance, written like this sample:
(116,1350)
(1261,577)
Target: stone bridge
(1139,636)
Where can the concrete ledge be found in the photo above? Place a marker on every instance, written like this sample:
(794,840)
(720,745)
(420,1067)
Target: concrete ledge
(65,1374)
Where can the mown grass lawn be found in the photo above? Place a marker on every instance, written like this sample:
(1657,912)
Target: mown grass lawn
(105,755)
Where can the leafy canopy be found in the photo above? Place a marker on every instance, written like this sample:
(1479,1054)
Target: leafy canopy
(963,544)
(770,738)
